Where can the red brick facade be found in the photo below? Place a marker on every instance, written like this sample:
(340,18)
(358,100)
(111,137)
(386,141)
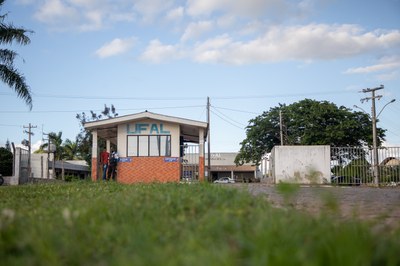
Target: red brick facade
(94,169)
(148,169)
(201,168)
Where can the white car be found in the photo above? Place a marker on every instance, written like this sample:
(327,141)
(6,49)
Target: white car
(224,180)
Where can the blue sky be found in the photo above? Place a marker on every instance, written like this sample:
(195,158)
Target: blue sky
(168,56)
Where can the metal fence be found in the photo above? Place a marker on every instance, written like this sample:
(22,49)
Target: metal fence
(190,162)
(355,166)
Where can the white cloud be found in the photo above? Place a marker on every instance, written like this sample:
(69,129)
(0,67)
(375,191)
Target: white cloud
(115,47)
(175,14)
(82,15)
(226,21)
(387,63)
(94,21)
(149,10)
(194,30)
(304,43)
(156,52)
(212,49)
(243,8)
(55,11)
(203,7)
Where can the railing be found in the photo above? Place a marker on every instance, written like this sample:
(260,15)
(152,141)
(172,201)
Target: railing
(355,166)
(190,163)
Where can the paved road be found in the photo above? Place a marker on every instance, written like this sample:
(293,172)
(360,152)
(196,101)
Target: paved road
(380,205)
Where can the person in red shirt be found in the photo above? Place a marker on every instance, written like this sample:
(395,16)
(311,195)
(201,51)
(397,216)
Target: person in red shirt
(104,155)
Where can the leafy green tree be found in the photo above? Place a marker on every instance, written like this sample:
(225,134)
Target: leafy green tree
(84,138)
(307,122)
(6,162)
(8,73)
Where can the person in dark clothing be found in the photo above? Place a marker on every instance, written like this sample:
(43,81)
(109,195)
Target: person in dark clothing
(112,166)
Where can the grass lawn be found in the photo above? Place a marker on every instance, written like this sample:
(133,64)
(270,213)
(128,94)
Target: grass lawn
(85,223)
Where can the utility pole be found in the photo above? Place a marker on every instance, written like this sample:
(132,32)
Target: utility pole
(48,153)
(374,135)
(281,126)
(208,140)
(30,133)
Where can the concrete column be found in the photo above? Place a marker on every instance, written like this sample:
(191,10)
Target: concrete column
(94,156)
(108,145)
(201,155)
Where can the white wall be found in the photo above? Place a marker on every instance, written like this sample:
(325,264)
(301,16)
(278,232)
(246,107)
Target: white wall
(173,129)
(301,164)
(39,165)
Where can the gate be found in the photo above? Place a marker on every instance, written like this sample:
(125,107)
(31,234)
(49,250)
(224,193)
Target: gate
(190,162)
(355,166)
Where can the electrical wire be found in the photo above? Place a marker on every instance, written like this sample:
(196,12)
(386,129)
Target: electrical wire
(226,120)
(83,97)
(98,110)
(235,110)
(227,117)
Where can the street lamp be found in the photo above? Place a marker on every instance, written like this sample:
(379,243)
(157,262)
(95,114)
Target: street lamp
(392,101)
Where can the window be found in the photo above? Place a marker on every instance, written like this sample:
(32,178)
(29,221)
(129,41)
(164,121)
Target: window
(149,145)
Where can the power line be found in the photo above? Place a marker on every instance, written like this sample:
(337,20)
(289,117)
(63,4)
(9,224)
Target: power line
(86,97)
(235,110)
(226,120)
(117,98)
(99,110)
(227,117)
(280,95)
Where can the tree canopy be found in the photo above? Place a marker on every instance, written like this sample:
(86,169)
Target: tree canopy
(8,73)
(6,162)
(84,138)
(307,122)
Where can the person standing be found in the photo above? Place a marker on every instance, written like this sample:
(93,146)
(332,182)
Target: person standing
(104,155)
(112,165)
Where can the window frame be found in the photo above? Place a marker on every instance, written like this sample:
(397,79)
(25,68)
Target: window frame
(159,141)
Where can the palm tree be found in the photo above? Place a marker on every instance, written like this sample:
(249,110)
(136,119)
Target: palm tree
(71,150)
(8,73)
(56,139)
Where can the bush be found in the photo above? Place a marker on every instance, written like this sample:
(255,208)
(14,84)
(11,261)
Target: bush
(6,162)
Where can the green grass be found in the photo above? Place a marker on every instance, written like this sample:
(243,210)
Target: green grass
(85,223)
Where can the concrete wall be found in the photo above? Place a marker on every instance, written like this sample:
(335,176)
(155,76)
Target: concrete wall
(39,165)
(301,164)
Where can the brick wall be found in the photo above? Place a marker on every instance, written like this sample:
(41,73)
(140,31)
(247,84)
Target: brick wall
(201,168)
(148,169)
(94,169)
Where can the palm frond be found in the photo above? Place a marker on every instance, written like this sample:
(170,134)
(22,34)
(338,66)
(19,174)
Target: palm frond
(15,80)
(7,56)
(9,34)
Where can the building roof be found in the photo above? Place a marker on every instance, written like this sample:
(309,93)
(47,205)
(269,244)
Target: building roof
(75,165)
(107,128)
